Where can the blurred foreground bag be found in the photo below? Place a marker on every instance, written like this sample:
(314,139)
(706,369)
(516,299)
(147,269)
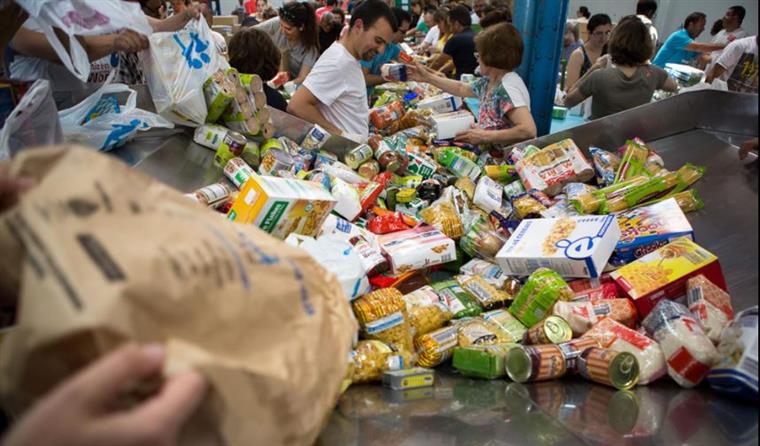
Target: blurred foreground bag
(101,254)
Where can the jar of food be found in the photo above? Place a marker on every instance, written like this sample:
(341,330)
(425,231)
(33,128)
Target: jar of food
(389,158)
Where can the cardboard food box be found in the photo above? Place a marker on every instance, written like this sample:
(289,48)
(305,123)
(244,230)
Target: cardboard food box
(417,248)
(647,228)
(663,273)
(447,125)
(571,246)
(281,206)
(228,20)
(444,103)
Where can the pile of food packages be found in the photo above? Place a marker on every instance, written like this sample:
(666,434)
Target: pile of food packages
(532,264)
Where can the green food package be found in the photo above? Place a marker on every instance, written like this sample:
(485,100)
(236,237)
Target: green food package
(459,302)
(537,297)
(482,361)
(633,161)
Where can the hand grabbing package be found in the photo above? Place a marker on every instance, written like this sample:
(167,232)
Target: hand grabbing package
(100,255)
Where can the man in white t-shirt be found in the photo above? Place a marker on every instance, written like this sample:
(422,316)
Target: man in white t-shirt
(732,30)
(738,66)
(645,11)
(334,95)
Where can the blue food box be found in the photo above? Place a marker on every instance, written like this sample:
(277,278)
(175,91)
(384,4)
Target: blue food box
(648,228)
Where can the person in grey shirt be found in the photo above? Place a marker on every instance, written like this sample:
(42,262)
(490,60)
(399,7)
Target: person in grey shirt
(624,79)
(296,36)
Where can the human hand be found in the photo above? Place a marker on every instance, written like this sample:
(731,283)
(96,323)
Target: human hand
(129,41)
(747,146)
(80,412)
(475,136)
(416,72)
(11,188)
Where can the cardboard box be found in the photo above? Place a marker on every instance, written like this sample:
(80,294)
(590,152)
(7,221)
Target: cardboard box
(447,125)
(648,228)
(417,248)
(663,273)
(228,20)
(281,206)
(443,103)
(571,246)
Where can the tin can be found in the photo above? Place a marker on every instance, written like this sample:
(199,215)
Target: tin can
(382,117)
(395,72)
(315,139)
(274,161)
(232,145)
(238,171)
(535,363)
(210,135)
(572,351)
(369,169)
(409,378)
(513,328)
(251,154)
(615,369)
(218,93)
(358,155)
(212,195)
(552,330)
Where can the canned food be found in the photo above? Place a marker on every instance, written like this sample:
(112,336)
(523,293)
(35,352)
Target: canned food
(210,135)
(213,194)
(572,351)
(535,363)
(369,169)
(357,156)
(552,330)
(274,161)
(251,154)
(315,139)
(232,145)
(615,369)
(238,171)
(271,143)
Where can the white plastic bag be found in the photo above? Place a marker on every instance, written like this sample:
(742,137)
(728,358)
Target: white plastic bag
(33,122)
(176,66)
(107,129)
(83,18)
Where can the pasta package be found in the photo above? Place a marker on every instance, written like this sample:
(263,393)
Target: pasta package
(688,351)
(382,316)
(436,347)
(633,161)
(443,216)
(486,294)
(482,240)
(428,318)
(370,359)
(459,302)
(710,306)
(478,332)
(550,168)
(616,336)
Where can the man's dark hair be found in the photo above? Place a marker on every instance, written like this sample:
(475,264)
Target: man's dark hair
(646,8)
(370,11)
(429,9)
(717,27)
(630,43)
(693,18)
(252,51)
(401,16)
(596,21)
(500,15)
(339,12)
(461,15)
(331,2)
(740,11)
(584,12)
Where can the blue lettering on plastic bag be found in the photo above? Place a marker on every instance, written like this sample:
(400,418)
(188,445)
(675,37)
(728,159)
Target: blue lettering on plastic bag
(196,45)
(120,133)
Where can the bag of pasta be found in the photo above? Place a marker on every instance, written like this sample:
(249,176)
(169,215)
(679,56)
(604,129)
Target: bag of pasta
(487,295)
(436,347)
(479,332)
(426,311)
(382,316)
(373,358)
(482,240)
(442,214)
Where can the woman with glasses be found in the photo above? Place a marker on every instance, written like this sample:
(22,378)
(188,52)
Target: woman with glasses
(599,30)
(296,36)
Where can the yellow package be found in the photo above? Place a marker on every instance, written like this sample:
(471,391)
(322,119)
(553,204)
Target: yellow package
(382,315)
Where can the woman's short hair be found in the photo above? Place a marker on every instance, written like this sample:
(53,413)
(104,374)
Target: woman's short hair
(252,51)
(630,43)
(500,46)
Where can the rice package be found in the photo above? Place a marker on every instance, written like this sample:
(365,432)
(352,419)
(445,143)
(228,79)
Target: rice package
(709,305)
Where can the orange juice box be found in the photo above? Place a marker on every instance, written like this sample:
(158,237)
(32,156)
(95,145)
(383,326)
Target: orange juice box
(662,274)
(281,206)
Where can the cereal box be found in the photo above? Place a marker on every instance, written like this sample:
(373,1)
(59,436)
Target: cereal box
(281,206)
(417,248)
(571,246)
(664,273)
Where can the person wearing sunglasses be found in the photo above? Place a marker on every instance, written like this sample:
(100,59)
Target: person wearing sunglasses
(296,36)
(599,30)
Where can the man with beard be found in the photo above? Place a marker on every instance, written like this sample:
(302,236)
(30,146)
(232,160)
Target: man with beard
(334,94)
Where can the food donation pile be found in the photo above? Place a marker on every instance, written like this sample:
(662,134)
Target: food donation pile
(533,263)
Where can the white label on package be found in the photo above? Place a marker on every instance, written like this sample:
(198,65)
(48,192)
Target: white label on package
(385,323)
(488,194)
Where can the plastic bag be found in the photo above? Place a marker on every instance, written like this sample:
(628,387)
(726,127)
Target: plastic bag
(100,121)
(176,67)
(33,122)
(382,316)
(372,358)
(83,18)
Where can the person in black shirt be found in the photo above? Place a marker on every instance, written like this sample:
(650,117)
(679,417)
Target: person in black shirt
(461,47)
(329,31)
(252,51)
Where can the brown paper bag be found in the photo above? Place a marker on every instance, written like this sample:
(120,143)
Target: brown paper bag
(104,254)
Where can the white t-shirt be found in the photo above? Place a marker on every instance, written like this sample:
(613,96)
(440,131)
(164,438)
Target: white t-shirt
(518,92)
(653,34)
(740,60)
(432,36)
(474,18)
(337,81)
(723,38)
(219,42)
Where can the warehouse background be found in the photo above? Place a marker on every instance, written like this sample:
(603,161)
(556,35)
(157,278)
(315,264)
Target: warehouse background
(670,14)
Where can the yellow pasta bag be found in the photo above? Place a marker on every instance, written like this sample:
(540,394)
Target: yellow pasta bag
(382,315)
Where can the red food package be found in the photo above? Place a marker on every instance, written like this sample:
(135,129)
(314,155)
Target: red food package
(369,193)
(581,285)
(384,116)
(384,224)
(606,291)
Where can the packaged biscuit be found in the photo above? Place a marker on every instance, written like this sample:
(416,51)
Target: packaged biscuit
(549,169)
(662,274)
(417,248)
(535,300)
(488,296)
(709,305)
(281,206)
(436,347)
(456,299)
(382,315)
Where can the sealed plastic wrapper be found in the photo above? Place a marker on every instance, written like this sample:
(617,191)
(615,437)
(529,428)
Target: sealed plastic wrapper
(417,248)
(526,206)
(688,200)
(373,358)
(388,223)
(549,169)
(482,361)
(482,240)
(688,351)
(478,332)
(606,165)
(511,328)
(424,319)
(488,194)
(382,315)
(592,203)
(365,243)
(709,305)
(616,336)
(593,293)
(490,272)
(459,302)
(633,160)
(488,296)
(736,371)
(436,347)
(583,315)
(535,300)
(444,217)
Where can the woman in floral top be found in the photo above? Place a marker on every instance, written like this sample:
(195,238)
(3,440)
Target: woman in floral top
(504,116)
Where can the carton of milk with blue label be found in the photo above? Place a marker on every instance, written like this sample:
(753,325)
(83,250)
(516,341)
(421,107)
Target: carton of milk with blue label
(571,246)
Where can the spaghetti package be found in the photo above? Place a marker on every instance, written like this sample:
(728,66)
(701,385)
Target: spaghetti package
(436,347)
(370,359)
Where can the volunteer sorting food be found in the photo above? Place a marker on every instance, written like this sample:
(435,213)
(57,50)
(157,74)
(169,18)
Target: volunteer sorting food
(374,215)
